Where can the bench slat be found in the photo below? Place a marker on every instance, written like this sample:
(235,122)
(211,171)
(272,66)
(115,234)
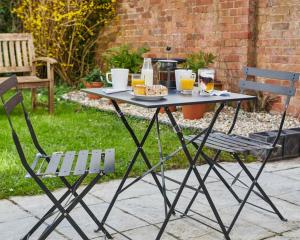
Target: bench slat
(5,53)
(12,53)
(25,53)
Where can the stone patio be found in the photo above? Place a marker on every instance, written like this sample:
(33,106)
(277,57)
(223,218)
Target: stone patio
(139,212)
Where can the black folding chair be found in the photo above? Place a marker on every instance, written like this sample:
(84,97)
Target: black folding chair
(238,146)
(59,165)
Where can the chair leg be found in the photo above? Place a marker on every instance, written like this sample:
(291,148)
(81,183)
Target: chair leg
(255,181)
(51,97)
(51,210)
(33,98)
(65,212)
(88,210)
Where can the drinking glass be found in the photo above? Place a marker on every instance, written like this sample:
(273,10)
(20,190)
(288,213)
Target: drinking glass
(187,82)
(206,80)
(136,79)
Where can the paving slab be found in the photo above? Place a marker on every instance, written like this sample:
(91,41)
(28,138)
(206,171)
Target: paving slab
(16,229)
(106,191)
(10,211)
(139,211)
(144,233)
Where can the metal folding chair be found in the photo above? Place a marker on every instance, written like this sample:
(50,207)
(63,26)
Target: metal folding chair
(59,165)
(238,146)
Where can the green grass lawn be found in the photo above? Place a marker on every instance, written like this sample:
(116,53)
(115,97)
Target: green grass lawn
(73,127)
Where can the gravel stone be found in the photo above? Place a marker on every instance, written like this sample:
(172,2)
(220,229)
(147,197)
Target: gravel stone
(248,122)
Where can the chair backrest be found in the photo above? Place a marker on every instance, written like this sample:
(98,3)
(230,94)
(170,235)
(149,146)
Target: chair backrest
(279,89)
(16,52)
(9,105)
(15,99)
(287,91)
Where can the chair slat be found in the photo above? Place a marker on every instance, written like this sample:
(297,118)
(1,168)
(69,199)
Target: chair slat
(5,53)
(95,161)
(288,91)
(37,158)
(249,142)
(67,164)
(53,164)
(12,53)
(211,144)
(1,56)
(8,84)
(19,54)
(13,102)
(81,162)
(271,74)
(25,53)
(109,161)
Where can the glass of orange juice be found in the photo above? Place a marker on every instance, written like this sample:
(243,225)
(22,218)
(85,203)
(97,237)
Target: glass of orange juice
(136,79)
(206,81)
(187,83)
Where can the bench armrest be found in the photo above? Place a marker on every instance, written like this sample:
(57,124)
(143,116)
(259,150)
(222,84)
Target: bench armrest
(46,59)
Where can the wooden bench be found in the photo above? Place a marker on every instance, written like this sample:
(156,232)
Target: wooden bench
(17,56)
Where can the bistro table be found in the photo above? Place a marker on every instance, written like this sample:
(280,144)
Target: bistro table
(177,99)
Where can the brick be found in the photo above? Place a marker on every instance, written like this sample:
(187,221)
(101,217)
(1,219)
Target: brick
(280,26)
(225,5)
(225,27)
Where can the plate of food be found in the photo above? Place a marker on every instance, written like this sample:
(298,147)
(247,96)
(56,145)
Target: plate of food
(149,93)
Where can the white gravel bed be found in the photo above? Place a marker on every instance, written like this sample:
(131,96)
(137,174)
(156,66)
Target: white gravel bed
(248,122)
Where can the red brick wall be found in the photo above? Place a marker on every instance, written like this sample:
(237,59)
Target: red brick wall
(278,40)
(265,33)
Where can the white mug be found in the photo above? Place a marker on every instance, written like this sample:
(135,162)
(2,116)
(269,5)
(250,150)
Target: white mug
(179,73)
(119,78)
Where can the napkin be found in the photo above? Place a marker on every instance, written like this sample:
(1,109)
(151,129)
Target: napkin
(220,93)
(112,90)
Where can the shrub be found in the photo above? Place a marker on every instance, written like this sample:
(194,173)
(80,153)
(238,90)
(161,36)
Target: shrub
(199,60)
(8,23)
(125,57)
(67,31)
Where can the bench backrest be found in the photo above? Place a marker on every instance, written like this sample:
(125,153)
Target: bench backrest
(16,52)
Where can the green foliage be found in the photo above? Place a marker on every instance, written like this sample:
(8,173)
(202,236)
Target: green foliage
(94,76)
(125,57)
(199,60)
(8,21)
(67,31)
(263,102)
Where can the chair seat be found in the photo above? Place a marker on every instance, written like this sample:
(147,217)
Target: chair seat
(72,163)
(231,143)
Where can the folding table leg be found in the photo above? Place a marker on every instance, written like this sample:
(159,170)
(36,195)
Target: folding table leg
(194,169)
(139,150)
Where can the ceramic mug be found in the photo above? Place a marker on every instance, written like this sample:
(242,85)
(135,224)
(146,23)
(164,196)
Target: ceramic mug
(119,78)
(178,75)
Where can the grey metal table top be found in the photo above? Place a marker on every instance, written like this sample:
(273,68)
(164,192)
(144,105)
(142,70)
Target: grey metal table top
(174,98)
